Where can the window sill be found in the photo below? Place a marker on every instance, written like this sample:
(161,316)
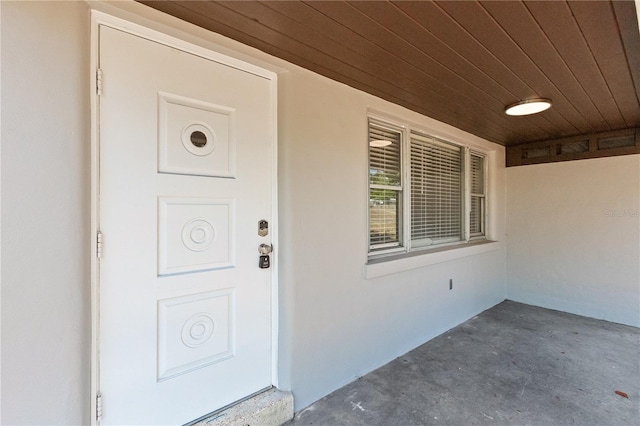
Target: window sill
(392,264)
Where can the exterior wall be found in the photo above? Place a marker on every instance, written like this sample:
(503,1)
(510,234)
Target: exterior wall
(335,324)
(574,237)
(45,213)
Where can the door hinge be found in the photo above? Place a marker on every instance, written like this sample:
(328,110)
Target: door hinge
(99,245)
(99,407)
(99,82)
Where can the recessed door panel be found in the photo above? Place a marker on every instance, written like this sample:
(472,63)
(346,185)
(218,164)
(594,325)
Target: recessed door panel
(195,331)
(195,137)
(195,234)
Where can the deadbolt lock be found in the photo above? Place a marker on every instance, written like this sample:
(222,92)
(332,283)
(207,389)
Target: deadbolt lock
(263,228)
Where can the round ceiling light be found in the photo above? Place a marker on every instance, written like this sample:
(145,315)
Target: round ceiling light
(380,143)
(529,106)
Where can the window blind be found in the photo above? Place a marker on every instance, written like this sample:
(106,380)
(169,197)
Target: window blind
(436,191)
(385,186)
(444,200)
(384,161)
(475,216)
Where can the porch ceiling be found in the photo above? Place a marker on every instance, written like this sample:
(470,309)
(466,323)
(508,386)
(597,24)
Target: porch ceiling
(460,62)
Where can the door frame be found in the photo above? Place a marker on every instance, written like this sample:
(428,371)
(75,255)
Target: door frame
(99,18)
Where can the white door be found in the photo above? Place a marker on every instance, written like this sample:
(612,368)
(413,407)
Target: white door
(186,174)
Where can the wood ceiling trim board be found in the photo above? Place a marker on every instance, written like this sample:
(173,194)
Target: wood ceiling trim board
(383,38)
(558,23)
(422,38)
(456,38)
(296,31)
(279,44)
(416,96)
(447,30)
(521,26)
(306,15)
(414,84)
(410,32)
(484,28)
(342,34)
(595,20)
(627,17)
(346,15)
(182,11)
(226,23)
(233,25)
(405,28)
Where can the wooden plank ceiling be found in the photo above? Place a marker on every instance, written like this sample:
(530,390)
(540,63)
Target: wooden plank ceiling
(460,62)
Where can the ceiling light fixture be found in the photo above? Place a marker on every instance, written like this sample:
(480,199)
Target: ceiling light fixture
(529,106)
(380,143)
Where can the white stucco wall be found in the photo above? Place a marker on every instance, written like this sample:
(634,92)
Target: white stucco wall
(45,213)
(335,324)
(574,237)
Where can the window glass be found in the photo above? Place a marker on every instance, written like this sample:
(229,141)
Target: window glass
(385,186)
(477,198)
(384,156)
(433,211)
(436,191)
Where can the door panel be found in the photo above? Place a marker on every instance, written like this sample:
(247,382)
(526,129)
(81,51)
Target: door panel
(186,148)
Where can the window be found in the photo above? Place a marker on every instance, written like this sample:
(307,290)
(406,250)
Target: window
(436,191)
(445,185)
(478,196)
(385,186)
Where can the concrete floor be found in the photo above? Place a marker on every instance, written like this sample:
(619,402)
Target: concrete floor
(513,364)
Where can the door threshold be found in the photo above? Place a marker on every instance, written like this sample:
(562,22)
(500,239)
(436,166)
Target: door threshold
(268,407)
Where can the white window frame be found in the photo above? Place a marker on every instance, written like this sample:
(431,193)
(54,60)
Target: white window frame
(385,249)
(444,145)
(482,235)
(407,246)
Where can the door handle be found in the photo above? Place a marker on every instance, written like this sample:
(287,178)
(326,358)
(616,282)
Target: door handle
(265,249)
